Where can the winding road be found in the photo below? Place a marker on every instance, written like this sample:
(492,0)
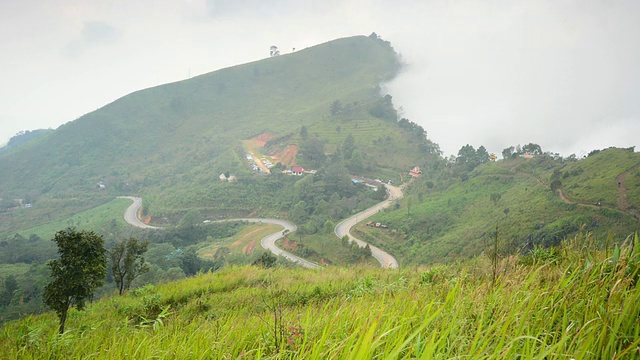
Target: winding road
(343,228)
(131,214)
(269,242)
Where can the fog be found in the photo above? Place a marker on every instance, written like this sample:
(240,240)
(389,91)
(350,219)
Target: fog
(493,73)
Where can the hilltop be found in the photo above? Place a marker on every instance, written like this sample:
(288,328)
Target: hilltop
(170,143)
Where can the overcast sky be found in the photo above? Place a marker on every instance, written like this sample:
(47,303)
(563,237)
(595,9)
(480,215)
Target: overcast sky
(563,74)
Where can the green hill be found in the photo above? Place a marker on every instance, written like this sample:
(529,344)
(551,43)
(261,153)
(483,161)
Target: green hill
(568,302)
(169,143)
(446,217)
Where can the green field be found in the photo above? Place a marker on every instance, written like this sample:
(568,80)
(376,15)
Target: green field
(13,269)
(102,219)
(595,180)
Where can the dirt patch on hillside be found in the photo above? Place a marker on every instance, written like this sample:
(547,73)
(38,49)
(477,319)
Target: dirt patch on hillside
(287,156)
(258,142)
(290,245)
(244,237)
(623,200)
(250,247)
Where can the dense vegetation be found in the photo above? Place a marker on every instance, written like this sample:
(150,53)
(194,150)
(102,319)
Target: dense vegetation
(569,301)
(454,213)
(24,137)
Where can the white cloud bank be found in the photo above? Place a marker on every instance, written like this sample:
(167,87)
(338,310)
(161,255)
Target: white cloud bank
(564,74)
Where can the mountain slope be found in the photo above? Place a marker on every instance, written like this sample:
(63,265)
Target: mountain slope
(449,218)
(183,135)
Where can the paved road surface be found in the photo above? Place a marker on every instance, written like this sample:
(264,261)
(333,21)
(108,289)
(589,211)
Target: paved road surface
(131,215)
(343,228)
(385,259)
(268,242)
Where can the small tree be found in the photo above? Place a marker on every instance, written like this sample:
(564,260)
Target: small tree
(482,156)
(533,149)
(495,197)
(336,107)
(79,271)
(348,147)
(508,152)
(127,262)
(266,260)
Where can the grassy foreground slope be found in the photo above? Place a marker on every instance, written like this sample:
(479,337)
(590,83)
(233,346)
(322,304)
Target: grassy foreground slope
(565,302)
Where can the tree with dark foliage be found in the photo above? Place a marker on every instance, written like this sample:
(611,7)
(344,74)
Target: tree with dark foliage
(79,271)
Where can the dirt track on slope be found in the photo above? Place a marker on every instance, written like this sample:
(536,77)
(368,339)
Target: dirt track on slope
(623,200)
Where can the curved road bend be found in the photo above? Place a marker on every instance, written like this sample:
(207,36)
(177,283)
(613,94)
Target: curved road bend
(268,242)
(343,228)
(131,214)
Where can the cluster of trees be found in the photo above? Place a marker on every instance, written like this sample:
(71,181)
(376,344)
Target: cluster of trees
(82,267)
(48,281)
(471,157)
(356,251)
(383,109)
(513,152)
(17,249)
(420,134)
(24,137)
(327,197)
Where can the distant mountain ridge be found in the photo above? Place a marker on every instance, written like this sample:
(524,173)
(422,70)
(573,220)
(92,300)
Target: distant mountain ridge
(24,137)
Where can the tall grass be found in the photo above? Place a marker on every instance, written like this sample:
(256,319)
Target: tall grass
(583,305)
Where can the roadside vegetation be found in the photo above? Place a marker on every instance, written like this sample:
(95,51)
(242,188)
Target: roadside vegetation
(568,301)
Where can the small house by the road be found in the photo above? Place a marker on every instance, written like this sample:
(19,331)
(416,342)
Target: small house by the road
(415,172)
(297,170)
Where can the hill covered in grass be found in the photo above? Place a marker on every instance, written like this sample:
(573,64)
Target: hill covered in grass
(171,142)
(570,301)
(539,201)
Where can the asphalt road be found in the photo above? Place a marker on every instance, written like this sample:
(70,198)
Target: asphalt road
(385,259)
(131,214)
(268,242)
(343,228)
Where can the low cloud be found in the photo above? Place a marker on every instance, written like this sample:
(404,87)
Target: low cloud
(564,76)
(93,33)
